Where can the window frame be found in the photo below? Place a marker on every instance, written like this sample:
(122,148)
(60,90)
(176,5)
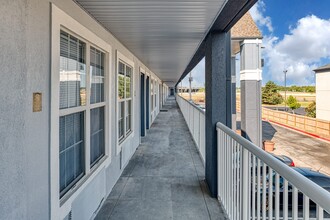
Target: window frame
(62,21)
(127,62)
(101,104)
(89,167)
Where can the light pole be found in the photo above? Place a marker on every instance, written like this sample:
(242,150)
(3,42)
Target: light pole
(181,88)
(285,71)
(190,80)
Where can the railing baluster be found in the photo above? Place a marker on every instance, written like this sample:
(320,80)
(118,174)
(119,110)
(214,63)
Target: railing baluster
(294,203)
(249,184)
(232,178)
(235,182)
(239,177)
(221,164)
(225,172)
(285,200)
(230,170)
(264,169)
(253,187)
(258,190)
(277,196)
(319,213)
(270,194)
(306,207)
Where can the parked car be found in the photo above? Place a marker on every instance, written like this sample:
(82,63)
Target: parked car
(284,159)
(320,179)
(317,177)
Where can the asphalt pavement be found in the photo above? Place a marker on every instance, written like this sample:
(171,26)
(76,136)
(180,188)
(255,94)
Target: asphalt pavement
(306,151)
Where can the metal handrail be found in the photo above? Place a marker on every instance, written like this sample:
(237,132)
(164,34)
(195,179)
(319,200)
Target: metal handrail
(306,186)
(193,104)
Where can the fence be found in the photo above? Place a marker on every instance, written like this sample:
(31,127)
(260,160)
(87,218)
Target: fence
(195,119)
(252,184)
(303,123)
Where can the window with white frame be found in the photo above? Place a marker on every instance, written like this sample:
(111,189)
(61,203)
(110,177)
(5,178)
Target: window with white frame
(125,72)
(82,108)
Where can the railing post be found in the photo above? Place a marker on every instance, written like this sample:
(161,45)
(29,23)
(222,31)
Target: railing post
(245,185)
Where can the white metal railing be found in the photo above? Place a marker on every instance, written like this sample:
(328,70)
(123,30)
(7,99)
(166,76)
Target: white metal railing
(252,184)
(195,119)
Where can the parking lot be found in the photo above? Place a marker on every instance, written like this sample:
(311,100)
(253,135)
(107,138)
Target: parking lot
(306,151)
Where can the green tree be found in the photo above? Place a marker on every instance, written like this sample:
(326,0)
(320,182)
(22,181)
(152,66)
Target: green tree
(270,94)
(293,103)
(311,110)
(201,89)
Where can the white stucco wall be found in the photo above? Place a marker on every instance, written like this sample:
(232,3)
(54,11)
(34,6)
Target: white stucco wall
(323,95)
(25,61)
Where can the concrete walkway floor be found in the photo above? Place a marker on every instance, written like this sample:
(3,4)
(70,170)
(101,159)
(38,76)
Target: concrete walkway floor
(165,177)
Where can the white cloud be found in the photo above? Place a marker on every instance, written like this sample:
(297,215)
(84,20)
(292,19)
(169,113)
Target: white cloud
(257,13)
(300,51)
(308,41)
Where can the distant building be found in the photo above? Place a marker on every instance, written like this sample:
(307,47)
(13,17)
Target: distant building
(323,92)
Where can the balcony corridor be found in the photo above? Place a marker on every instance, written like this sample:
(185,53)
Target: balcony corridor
(165,177)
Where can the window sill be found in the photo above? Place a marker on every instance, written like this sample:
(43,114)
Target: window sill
(123,140)
(84,180)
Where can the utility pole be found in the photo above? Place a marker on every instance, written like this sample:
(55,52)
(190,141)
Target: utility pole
(190,80)
(181,88)
(285,71)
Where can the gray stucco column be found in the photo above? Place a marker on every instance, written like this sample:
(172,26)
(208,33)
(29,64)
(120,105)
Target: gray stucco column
(250,77)
(218,99)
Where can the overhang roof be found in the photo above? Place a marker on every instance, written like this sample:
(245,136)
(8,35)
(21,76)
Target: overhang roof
(245,28)
(166,35)
(322,68)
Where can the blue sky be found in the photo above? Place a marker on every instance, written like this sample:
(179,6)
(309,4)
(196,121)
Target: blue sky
(296,38)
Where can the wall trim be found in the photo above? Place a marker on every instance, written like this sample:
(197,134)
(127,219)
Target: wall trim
(251,75)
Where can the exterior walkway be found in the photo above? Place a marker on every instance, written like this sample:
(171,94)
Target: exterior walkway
(165,177)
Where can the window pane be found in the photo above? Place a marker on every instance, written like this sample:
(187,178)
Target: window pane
(121,81)
(72,72)
(97,148)
(71,151)
(124,106)
(128,87)
(128,81)
(129,116)
(97,75)
(121,116)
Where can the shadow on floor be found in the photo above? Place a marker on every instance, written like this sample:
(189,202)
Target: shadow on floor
(268,131)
